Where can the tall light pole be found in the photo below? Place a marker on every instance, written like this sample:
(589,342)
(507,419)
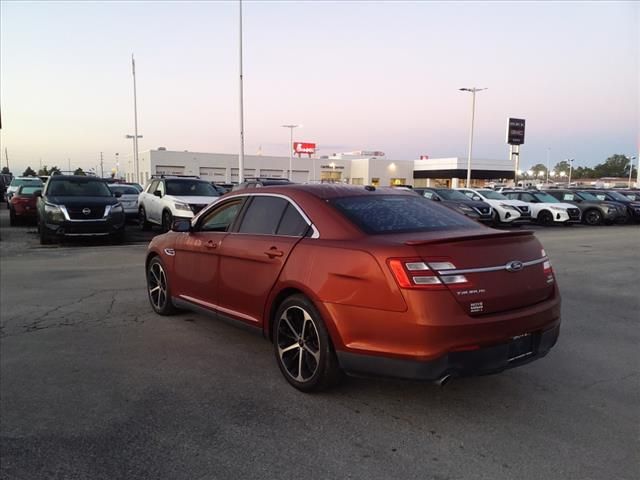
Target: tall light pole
(241,153)
(290,127)
(135,122)
(135,155)
(473,112)
(548,155)
(630,169)
(570,160)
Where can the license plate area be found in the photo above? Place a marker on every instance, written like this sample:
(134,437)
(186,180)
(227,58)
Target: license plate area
(520,347)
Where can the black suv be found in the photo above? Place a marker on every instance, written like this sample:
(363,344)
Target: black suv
(594,211)
(458,201)
(78,206)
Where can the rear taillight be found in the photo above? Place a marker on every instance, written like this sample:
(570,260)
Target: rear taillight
(412,273)
(547,268)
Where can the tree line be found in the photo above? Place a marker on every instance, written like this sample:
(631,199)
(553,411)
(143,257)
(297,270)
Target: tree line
(615,166)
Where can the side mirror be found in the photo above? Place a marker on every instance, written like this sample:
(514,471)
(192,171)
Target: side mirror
(117,194)
(158,193)
(181,225)
(37,194)
(476,198)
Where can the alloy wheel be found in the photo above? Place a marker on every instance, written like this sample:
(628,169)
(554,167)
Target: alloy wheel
(157,285)
(298,344)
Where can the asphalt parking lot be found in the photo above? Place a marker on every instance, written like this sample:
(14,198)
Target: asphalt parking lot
(94,385)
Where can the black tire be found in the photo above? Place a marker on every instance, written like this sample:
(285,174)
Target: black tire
(167,220)
(496,219)
(302,346)
(158,288)
(45,238)
(545,217)
(145,225)
(13,221)
(592,217)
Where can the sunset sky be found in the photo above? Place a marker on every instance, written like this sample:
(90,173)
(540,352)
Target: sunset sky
(358,75)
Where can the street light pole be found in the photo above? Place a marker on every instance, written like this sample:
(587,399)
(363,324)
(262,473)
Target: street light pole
(570,160)
(290,127)
(473,112)
(630,169)
(241,153)
(136,165)
(135,122)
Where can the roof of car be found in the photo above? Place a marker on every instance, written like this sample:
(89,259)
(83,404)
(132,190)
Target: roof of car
(76,177)
(329,190)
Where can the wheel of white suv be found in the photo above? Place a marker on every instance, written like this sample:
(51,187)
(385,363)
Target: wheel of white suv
(303,347)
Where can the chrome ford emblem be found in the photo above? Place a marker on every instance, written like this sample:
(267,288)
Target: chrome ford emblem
(86,211)
(514,266)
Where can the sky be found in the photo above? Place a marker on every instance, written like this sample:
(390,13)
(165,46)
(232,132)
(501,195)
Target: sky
(357,75)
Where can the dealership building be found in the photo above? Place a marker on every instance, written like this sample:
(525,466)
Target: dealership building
(357,168)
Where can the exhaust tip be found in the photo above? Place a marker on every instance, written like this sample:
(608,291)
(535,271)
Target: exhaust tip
(443,380)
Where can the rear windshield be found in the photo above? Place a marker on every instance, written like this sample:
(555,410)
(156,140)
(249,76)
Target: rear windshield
(124,189)
(16,182)
(78,188)
(399,214)
(28,190)
(191,188)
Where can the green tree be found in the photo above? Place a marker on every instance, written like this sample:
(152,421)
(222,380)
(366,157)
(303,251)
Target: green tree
(562,166)
(537,168)
(79,171)
(6,170)
(29,172)
(583,172)
(43,170)
(54,170)
(615,166)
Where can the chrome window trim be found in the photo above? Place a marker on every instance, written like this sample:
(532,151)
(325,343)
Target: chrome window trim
(491,269)
(316,233)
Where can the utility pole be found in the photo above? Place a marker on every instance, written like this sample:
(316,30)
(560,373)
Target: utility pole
(473,91)
(69,165)
(101,166)
(241,154)
(135,122)
(6,157)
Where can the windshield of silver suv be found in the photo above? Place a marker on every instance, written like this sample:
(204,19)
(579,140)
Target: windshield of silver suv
(191,188)
(78,188)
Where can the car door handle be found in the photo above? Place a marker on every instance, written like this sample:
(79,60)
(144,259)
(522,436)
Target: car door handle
(211,244)
(273,252)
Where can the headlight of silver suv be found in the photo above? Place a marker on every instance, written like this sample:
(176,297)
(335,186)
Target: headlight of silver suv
(53,213)
(182,206)
(117,208)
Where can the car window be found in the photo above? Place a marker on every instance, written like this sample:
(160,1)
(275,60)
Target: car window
(153,186)
(600,196)
(526,197)
(292,224)
(78,188)
(124,189)
(28,190)
(161,188)
(570,197)
(191,188)
(428,194)
(16,182)
(221,218)
(263,215)
(399,214)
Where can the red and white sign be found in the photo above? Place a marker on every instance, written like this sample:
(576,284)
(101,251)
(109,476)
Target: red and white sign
(301,147)
(424,157)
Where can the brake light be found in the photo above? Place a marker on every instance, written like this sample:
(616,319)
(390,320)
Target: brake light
(411,273)
(548,269)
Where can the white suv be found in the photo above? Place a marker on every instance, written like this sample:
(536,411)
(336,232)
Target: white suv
(504,209)
(546,209)
(168,197)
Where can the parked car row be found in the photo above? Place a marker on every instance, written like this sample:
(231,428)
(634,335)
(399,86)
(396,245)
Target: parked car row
(549,207)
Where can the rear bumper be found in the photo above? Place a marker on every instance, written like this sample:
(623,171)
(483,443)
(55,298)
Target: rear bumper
(483,361)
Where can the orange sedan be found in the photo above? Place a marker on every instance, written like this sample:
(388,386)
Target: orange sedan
(363,281)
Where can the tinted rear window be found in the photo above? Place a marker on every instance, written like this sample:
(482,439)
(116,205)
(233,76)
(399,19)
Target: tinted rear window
(399,214)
